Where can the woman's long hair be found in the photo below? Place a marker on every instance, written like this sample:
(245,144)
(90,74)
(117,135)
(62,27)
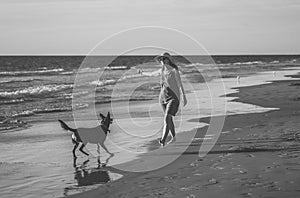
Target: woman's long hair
(172,64)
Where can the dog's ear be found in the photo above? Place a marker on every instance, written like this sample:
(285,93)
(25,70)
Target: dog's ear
(102,116)
(108,115)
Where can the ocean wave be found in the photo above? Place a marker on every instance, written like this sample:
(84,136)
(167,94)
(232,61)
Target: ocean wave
(82,71)
(13,73)
(194,64)
(157,87)
(17,80)
(9,123)
(117,67)
(248,63)
(100,83)
(67,73)
(202,67)
(36,90)
(71,95)
(48,110)
(224,65)
(23,113)
(153,73)
(89,70)
(11,101)
(109,100)
(80,106)
(131,76)
(275,62)
(93,70)
(292,61)
(51,110)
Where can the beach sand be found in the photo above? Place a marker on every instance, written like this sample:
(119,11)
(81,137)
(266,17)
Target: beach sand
(257,155)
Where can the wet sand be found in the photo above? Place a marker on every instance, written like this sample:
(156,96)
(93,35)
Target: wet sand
(257,155)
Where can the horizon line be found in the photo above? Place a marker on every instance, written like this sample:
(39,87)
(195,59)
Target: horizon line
(231,54)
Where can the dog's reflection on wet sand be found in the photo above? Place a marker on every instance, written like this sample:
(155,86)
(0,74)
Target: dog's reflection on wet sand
(90,176)
(85,175)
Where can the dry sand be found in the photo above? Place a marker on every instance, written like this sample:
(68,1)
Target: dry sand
(257,155)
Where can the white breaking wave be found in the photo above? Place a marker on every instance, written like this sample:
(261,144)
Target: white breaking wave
(49,110)
(16,80)
(89,70)
(31,72)
(35,90)
(248,63)
(11,101)
(71,95)
(114,81)
(103,82)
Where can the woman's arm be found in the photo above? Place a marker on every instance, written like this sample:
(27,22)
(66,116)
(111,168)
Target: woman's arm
(178,79)
(158,59)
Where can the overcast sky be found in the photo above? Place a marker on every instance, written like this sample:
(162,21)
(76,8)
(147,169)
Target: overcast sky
(221,26)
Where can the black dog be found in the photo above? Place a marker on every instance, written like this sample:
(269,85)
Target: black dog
(96,135)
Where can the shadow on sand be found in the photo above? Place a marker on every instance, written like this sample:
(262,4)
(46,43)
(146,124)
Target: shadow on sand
(87,175)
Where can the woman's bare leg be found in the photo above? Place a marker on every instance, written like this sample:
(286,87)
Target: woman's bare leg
(172,127)
(168,123)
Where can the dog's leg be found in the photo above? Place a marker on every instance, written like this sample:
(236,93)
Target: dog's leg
(107,160)
(82,146)
(74,162)
(98,158)
(98,149)
(75,147)
(104,147)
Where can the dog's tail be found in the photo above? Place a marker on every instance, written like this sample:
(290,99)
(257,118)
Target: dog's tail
(65,126)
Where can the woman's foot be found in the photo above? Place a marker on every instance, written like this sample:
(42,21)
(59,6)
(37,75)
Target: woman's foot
(162,143)
(172,140)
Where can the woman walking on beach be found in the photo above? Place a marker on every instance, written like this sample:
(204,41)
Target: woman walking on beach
(169,96)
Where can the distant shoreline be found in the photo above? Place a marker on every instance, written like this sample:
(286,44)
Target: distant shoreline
(82,55)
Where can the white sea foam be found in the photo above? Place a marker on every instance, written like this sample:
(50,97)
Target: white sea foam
(275,62)
(16,80)
(103,82)
(23,113)
(71,95)
(48,110)
(114,81)
(67,73)
(35,90)
(154,73)
(80,106)
(31,72)
(227,65)
(248,63)
(11,101)
(89,70)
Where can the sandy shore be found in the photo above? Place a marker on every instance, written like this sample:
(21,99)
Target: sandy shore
(257,155)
